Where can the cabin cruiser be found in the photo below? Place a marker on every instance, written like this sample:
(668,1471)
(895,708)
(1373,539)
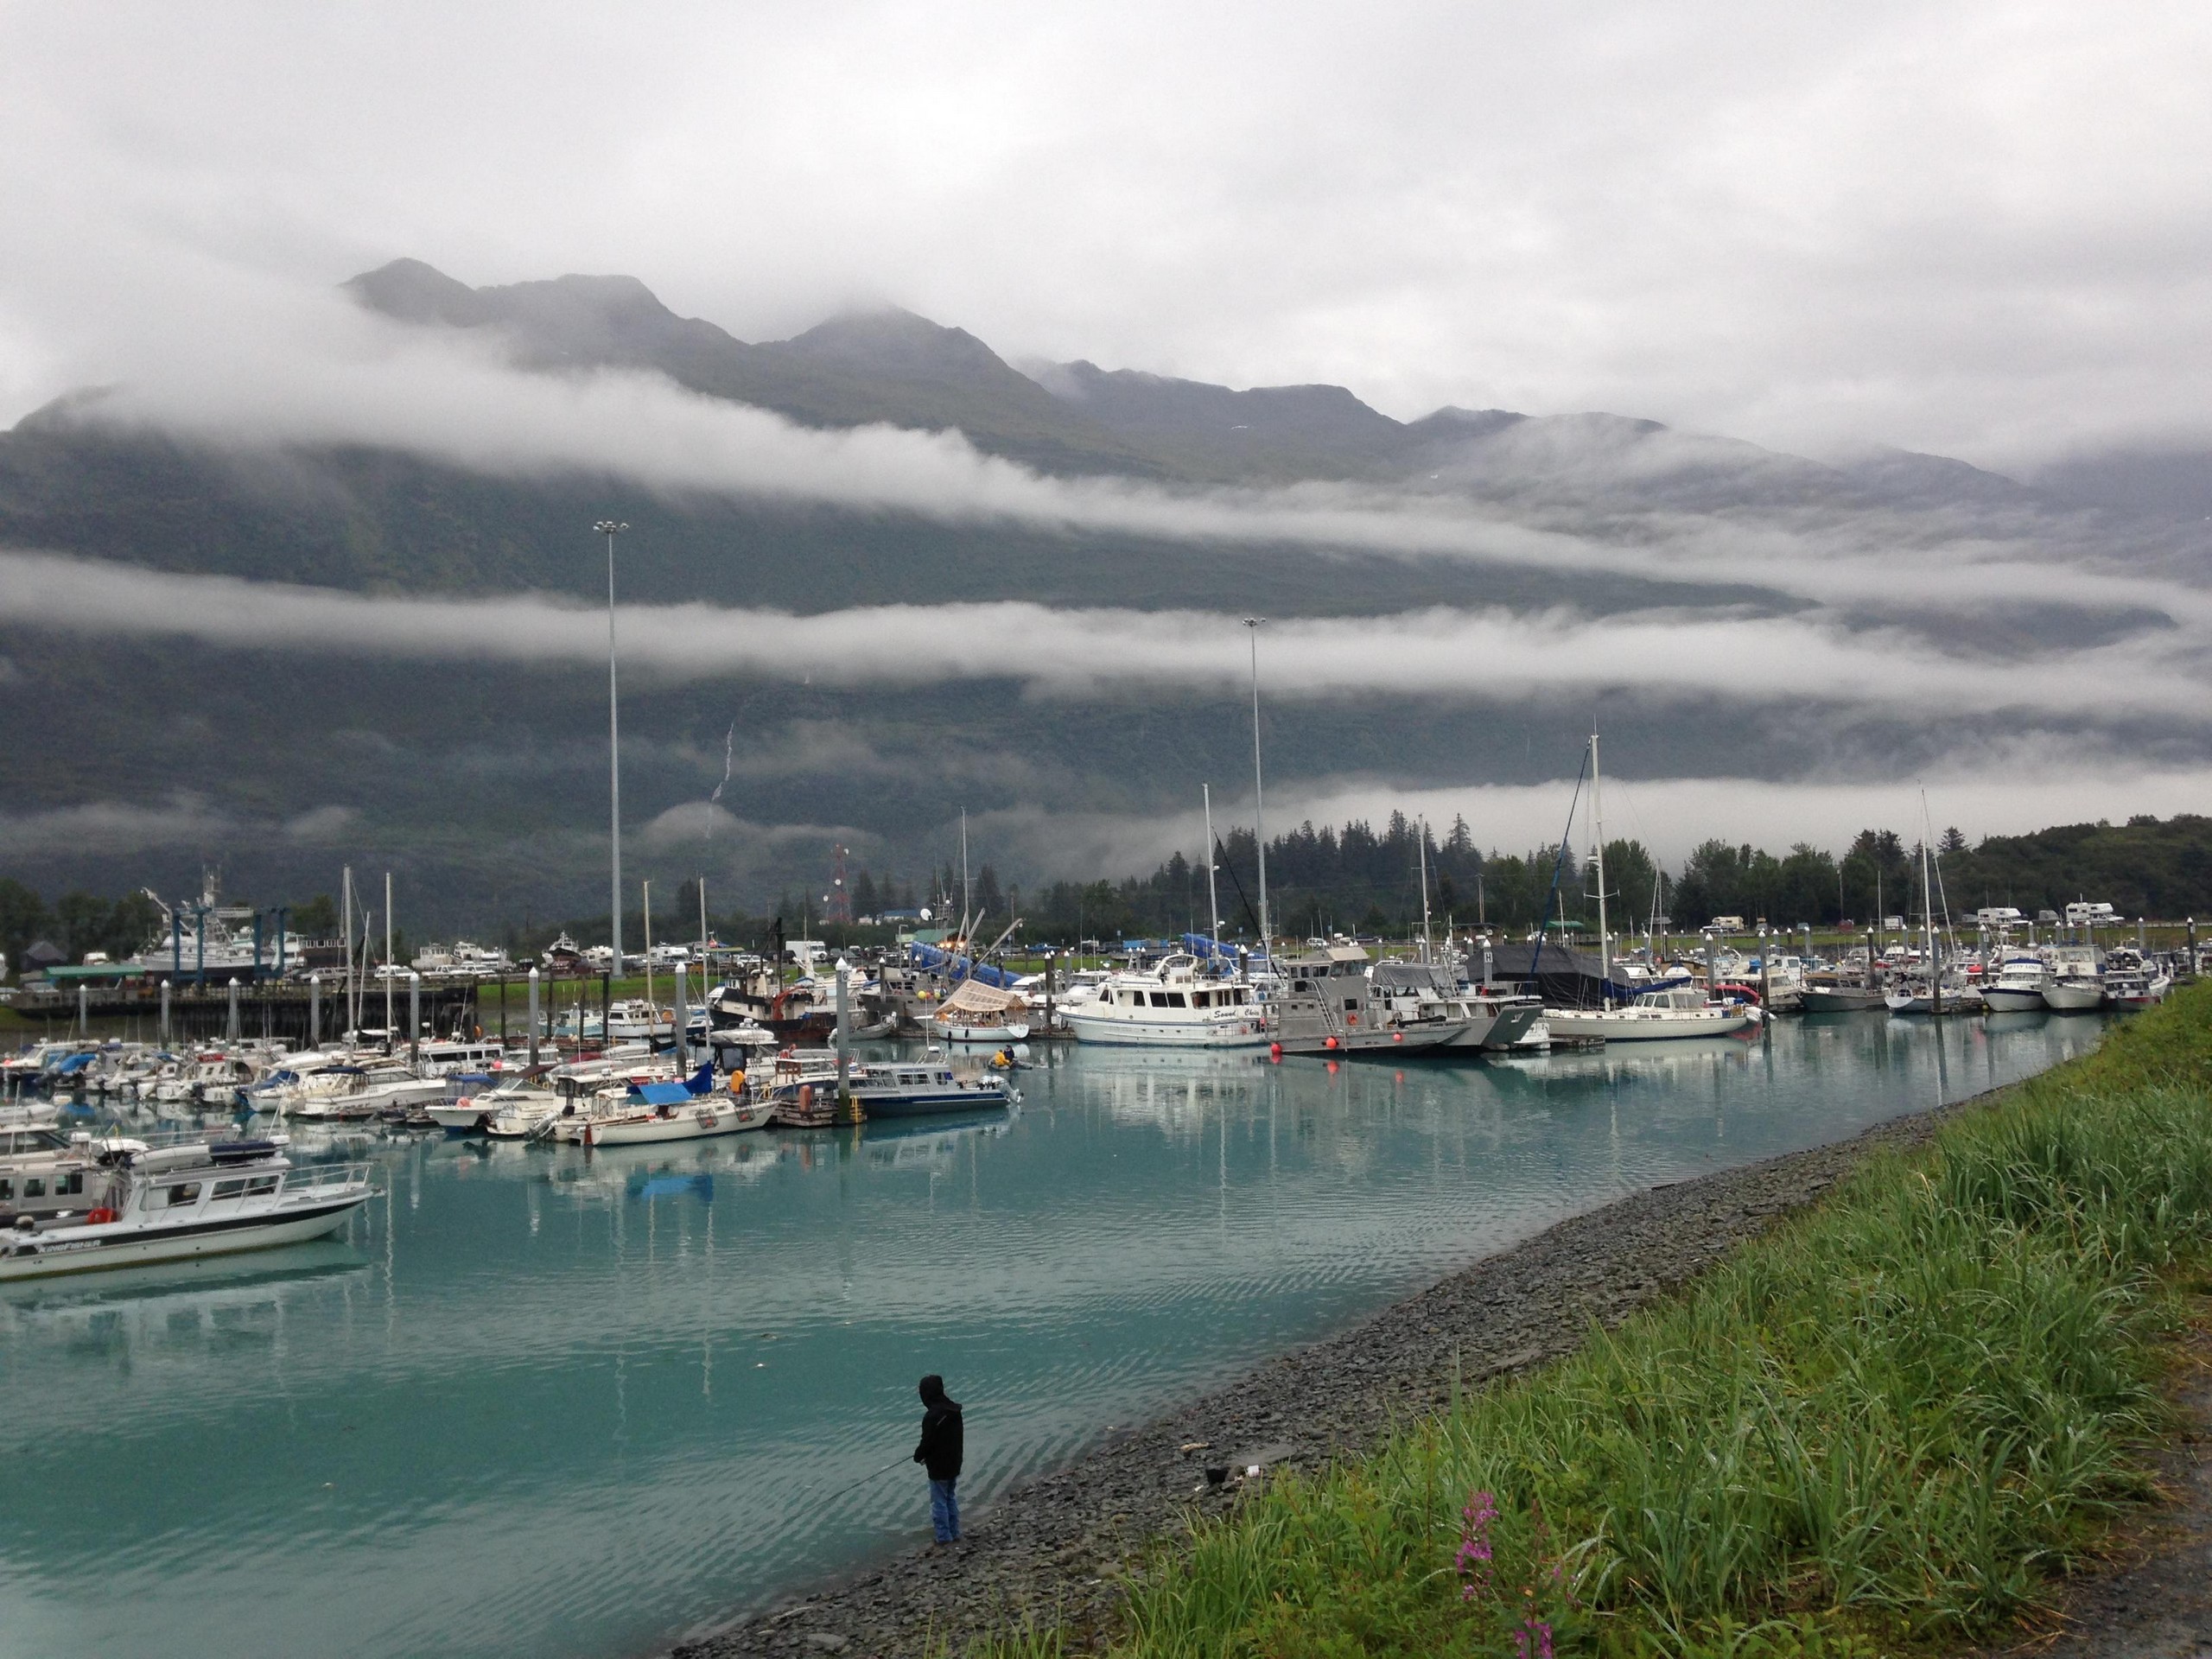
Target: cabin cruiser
(1921,993)
(1421,991)
(2078,980)
(43,1170)
(1654,1016)
(1172,1005)
(1326,1004)
(634,1019)
(687,1110)
(2018,986)
(922,1088)
(167,1203)
(2132,983)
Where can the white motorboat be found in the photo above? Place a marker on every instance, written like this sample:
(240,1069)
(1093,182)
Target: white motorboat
(1328,1005)
(633,1019)
(2018,986)
(1656,1016)
(656,1112)
(1918,993)
(1173,1005)
(173,1203)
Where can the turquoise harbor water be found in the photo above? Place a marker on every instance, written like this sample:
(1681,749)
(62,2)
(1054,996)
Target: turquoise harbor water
(552,1402)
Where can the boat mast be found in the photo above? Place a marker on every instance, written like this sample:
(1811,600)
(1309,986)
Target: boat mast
(1421,829)
(1213,900)
(353,1012)
(703,939)
(1597,820)
(610,529)
(965,886)
(1259,791)
(387,962)
(645,899)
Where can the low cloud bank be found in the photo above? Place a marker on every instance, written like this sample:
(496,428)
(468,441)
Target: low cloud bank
(1445,653)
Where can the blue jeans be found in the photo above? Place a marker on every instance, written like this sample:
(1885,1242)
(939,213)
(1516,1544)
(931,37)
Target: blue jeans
(944,1509)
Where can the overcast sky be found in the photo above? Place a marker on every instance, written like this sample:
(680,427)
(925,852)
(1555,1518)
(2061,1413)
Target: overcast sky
(1980,229)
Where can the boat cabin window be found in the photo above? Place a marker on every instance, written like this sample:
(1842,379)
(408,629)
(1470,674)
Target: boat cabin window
(1168,999)
(7,1189)
(182,1193)
(72,1182)
(35,1186)
(245,1186)
(1299,985)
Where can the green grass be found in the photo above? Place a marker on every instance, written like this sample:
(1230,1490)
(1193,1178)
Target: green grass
(1888,1424)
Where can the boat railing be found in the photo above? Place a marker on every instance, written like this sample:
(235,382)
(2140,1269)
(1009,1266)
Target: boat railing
(313,1179)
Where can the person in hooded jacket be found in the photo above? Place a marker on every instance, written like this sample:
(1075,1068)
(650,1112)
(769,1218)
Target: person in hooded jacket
(939,1454)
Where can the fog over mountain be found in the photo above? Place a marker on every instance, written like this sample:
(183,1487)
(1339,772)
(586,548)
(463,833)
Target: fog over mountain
(327,590)
(1816,398)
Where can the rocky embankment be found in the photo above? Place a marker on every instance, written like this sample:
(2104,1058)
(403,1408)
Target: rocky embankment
(1052,1552)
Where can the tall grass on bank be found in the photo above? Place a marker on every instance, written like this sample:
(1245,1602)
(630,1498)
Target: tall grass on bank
(1885,1423)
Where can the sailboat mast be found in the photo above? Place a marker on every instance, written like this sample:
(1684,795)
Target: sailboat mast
(964,905)
(352,1013)
(1421,829)
(1259,790)
(703,938)
(1597,821)
(645,899)
(1213,900)
(387,961)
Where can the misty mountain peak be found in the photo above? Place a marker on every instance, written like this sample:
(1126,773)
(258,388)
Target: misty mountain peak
(897,342)
(408,290)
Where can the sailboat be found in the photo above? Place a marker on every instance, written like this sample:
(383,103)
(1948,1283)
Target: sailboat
(1657,1016)
(1931,989)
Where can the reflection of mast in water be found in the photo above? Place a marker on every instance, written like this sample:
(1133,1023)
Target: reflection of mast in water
(1943,1062)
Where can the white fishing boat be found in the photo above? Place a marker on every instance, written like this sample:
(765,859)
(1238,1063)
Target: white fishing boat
(2018,986)
(2131,983)
(1656,1016)
(173,1203)
(1328,1005)
(1172,1005)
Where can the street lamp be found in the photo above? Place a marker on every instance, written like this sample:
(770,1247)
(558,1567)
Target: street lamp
(608,528)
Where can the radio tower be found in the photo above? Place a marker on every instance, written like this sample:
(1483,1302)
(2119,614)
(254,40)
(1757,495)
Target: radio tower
(840,895)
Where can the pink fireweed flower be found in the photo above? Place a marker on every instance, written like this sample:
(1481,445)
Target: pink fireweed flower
(1472,1560)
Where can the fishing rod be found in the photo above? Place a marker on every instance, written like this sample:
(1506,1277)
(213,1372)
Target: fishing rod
(873,1475)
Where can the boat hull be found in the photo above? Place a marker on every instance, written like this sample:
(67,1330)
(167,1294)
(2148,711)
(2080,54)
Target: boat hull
(2073,999)
(1830,1000)
(932,1103)
(2001,999)
(1246,1033)
(696,1122)
(1640,1026)
(126,1249)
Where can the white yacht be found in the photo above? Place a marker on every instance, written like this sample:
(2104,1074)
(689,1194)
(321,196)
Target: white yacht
(2078,980)
(1172,1005)
(167,1203)
(2018,985)
(1654,1016)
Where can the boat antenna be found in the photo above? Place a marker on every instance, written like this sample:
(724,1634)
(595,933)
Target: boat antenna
(1420,829)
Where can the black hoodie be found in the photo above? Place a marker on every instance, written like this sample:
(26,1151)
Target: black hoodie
(939,1450)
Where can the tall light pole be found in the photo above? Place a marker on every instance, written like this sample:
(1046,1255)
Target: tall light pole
(610,529)
(1259,794)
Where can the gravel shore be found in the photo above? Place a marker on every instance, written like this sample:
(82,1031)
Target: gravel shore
(1050,1552)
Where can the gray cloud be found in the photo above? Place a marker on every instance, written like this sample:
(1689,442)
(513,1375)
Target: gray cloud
(1959,228)
(1435,652)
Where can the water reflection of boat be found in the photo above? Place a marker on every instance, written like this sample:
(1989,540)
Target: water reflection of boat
(177,1289)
